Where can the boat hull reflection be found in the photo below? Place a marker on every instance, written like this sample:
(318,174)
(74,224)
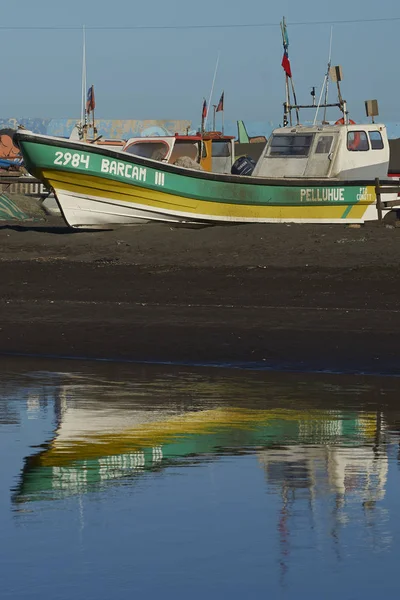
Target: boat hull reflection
(115,430)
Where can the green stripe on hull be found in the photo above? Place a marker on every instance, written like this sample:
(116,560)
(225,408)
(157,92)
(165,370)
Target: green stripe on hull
(42,156)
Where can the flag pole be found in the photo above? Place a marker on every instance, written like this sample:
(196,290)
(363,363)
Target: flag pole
(295,101)
(83,92)
(220,107)
(84,108)
(287,114)
(287,105)
(93,121)
(288,76)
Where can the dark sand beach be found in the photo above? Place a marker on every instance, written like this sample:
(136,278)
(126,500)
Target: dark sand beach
(281,296)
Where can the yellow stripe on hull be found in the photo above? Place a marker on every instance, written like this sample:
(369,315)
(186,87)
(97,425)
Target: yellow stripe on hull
(159,433)
(154,200)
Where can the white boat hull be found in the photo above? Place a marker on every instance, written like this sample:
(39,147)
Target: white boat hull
(84,211)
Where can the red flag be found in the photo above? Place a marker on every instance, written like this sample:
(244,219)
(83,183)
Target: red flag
(220,103)
(286,64)
(204,113)
(90,102)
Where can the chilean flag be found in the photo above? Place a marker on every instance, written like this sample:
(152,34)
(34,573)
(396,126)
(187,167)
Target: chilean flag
(204,113)
(90,102)
(220,103)
(286,64)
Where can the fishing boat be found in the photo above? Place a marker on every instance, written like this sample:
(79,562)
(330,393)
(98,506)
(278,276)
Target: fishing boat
(320,173)
(304,175)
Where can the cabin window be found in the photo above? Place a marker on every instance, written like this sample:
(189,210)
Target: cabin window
(376,140)
(290,145)
(184,148)
(220,149)
(153,150)
(357,141)
(324,144)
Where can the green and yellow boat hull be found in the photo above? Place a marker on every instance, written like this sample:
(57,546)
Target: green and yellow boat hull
(97,187)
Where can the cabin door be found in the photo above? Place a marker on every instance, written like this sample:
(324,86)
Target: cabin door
(206,158)
(321,156)
(221,156)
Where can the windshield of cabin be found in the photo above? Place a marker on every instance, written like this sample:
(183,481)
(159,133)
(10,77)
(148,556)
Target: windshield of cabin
(147,149)
(182,148)
(294,145)
(221,149)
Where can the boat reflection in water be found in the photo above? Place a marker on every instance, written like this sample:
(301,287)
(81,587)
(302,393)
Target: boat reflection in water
(312,438)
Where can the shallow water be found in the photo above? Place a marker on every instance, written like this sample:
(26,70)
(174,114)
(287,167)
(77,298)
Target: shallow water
(119,480)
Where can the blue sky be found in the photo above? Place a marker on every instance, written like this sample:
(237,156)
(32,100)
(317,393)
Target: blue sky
(145,74)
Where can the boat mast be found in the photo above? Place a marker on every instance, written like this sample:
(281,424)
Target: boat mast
(335,73)
(336,76)
(327,74)
(212,90)
(325,86)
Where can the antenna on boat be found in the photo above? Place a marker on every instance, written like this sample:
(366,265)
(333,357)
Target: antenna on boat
(211,92)
(325,85)
(327,74)
(371,108)
(313,95)
(336,75)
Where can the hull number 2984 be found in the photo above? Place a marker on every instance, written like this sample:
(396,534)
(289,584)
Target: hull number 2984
(80,160)
(74,160)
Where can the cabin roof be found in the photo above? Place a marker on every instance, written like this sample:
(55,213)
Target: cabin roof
(328,128)
(182,137)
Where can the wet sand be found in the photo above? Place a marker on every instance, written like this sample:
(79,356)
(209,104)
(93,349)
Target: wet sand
(322,297)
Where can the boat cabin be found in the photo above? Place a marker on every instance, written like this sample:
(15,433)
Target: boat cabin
(213,151)
(351,151)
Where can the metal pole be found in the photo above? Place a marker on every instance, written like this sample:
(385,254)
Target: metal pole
(378,199)
(319,101)
(327,79)
(287,114)
(83,75)
(295,101)
(212,89)
(287,103)
(94,126)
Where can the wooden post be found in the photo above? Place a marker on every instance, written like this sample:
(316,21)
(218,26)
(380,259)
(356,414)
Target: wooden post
(378,199)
